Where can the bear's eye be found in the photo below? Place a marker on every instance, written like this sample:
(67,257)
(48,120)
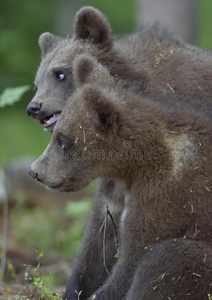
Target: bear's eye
(61,144)
(35,88)
(60,75)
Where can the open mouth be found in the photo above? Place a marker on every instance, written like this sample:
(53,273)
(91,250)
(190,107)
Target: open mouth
(50,120)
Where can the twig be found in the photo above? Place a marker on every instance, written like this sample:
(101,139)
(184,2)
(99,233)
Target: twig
(104,242)
(84,137)
(104,228)
(114,229)
(161,277)
(171,88)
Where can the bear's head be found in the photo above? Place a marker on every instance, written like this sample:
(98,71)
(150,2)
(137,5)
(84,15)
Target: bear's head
(84,142)
(54,82)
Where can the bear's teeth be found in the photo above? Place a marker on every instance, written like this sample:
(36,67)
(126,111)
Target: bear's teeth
(52,120)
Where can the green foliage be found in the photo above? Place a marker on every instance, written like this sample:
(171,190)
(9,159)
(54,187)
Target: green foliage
(32,226)
(35,284)
(78,294)
(117,253)
(209,297)
(21,23)
(204,8)
(79,208)
(23,135)
(12,95)
(124,21)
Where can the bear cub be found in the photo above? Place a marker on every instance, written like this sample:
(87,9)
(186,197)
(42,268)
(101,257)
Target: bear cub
(162,159)
(150,58)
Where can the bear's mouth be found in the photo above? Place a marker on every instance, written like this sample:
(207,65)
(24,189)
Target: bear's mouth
(50,121)
(55,186)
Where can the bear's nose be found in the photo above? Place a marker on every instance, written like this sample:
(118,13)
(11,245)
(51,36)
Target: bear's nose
(33,108)
(33,174)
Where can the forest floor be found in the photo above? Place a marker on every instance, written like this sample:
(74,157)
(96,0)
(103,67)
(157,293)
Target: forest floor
(44,231)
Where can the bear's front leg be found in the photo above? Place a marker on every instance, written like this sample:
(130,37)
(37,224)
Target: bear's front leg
(118,284)
(131,249)
(90,272)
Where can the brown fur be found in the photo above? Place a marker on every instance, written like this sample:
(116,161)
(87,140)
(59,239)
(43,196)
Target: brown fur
(161,160)
(150,57)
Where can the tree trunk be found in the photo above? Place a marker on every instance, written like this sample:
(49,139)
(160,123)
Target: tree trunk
(178,16)
(64,16)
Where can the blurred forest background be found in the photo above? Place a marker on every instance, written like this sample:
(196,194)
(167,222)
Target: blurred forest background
(37,218)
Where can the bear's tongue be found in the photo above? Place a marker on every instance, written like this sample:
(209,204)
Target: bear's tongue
(51,119)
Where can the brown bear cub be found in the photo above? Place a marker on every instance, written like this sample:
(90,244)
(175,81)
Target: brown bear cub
(161,160)
(150,57)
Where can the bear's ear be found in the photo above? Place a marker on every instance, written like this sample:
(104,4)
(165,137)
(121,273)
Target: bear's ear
(86,69)
(104,115)
(91,24)
(47,42)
